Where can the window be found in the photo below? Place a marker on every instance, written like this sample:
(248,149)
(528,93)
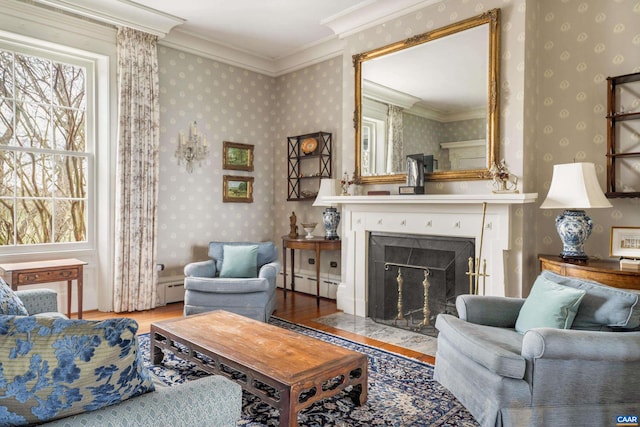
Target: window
(45,154)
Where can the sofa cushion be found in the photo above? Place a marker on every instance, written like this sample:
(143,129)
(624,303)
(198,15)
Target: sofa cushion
(602,306)
(267,252)
(53,368)
(549,305)
(9,301)
(240,261)
(497,349)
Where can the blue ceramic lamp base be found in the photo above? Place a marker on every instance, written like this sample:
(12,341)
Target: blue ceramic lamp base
(331,219)
(574,228)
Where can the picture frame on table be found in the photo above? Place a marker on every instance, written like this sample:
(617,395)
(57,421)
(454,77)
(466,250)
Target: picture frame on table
(237,189)
(625,242)
(237,156)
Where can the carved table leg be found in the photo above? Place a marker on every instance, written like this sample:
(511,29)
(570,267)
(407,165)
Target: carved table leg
(156,352)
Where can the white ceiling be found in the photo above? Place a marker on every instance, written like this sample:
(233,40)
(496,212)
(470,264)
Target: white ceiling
(269,36)
(270,29)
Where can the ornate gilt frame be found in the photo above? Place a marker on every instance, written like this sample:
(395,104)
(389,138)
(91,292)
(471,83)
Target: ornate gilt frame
(491,17)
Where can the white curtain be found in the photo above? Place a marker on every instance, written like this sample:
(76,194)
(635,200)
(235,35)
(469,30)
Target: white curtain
(395,152)
(137,172)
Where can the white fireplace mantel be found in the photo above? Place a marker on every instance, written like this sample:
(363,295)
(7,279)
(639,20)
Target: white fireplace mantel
(486,217)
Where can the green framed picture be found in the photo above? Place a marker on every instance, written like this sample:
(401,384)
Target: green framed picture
(238,189)
(237,156)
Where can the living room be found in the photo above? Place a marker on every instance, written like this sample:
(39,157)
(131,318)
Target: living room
(547,48)
(555,57)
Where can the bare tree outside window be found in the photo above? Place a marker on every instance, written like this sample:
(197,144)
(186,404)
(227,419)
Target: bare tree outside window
(43,151)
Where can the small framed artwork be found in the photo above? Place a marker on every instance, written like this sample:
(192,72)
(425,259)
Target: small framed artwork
(237,156)
(625,242)
(237,189)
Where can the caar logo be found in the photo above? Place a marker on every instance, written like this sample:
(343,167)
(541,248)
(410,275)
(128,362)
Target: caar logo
(627,420)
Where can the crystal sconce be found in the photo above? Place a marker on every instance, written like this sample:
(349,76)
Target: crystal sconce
(192,149)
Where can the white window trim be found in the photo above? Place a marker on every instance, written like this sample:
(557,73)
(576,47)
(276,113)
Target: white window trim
(64,55)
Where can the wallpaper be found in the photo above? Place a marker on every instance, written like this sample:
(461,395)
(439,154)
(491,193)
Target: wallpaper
(306,101)
(233,104)
(581,43)
(228,104)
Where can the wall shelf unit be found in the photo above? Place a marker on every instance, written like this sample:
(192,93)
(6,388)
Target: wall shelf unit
(308,161)
(623,136)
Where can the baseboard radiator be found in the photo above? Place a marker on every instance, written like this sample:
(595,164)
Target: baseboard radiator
(170,289)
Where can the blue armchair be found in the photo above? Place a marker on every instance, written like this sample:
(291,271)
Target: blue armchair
(586,375)
(254,297)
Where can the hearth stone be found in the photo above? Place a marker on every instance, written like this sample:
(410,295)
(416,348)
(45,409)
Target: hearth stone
(445,258)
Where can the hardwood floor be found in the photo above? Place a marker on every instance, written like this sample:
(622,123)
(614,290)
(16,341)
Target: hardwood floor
(297,308)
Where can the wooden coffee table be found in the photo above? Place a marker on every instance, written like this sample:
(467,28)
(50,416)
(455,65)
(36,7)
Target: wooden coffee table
(285,369)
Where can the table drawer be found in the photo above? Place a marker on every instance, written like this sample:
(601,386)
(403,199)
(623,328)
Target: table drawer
(48,276)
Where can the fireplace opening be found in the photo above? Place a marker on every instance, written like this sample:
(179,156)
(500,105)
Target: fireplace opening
(413,278)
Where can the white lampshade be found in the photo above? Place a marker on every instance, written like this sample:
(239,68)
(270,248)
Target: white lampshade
(327,189)
(575,186)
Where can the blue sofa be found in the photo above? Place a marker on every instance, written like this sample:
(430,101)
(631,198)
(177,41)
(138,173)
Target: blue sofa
(583,376)
(253,297)
(210,401)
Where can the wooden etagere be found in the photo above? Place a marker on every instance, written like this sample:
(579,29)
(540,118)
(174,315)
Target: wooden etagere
(618,158)
(305,166)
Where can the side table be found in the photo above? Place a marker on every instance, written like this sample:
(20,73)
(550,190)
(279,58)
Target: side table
(606,272)
(31,273)
(318,244)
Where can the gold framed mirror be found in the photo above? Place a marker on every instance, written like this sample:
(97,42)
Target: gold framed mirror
(434,94)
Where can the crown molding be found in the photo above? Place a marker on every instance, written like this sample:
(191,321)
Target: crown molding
(191,43)
(16,17)
(120,13)
(207,48)
(370,13)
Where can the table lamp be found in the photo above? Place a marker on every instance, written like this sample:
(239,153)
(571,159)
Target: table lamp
(574,187)
(330,216)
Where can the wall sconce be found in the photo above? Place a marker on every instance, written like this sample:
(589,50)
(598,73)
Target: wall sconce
(194,148)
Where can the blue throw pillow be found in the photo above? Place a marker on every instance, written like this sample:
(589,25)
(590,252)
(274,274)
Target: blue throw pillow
(240,261)
(9,301)
(54,368)
(549,305)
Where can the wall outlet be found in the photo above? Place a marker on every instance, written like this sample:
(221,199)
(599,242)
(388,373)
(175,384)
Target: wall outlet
(333,264)
(312,260)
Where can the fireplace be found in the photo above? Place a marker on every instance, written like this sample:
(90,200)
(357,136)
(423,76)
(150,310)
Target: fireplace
(493,222)
(413,278)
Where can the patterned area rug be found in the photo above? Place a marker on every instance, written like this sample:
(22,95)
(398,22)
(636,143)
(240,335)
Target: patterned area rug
(402,391)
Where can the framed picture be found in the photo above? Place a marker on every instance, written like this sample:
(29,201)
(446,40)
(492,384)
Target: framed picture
(625,242)
(237,189)
(237,156)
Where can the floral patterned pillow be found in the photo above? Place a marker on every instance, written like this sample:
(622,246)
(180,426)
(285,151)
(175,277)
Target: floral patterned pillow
(54,368)
(9,301)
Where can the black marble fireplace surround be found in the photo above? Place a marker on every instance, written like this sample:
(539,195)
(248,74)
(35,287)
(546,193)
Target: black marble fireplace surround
(447,260)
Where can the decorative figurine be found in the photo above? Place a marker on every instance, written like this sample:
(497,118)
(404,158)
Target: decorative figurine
(293,227)
(503,180)
(345,183)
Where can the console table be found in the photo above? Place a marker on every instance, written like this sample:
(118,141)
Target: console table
(31,273)
(317,244)
(603,271)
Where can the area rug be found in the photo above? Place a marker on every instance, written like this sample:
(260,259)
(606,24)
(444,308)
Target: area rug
(402,391)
